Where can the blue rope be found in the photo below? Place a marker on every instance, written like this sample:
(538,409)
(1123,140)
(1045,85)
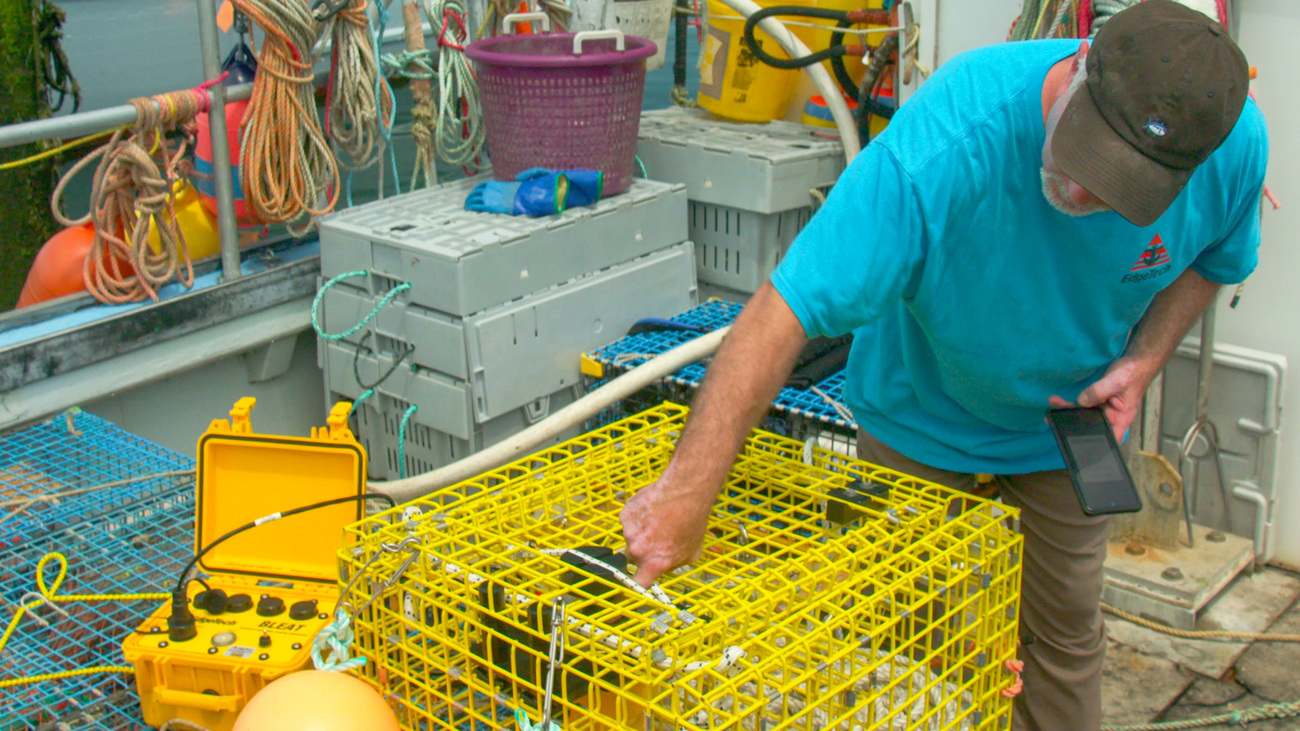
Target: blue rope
(401,442)
(315,305)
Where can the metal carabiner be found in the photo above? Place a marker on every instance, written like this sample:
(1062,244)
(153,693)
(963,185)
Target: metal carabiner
(409,543)
(555,655)
(323,10)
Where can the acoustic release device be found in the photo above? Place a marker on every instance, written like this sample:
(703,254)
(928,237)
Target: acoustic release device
(269,591)
(1096,466)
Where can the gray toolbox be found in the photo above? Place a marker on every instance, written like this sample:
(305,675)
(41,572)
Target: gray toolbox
(748,184)
(460,262)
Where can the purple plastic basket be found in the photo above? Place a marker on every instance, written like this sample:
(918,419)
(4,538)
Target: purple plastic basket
(545,106)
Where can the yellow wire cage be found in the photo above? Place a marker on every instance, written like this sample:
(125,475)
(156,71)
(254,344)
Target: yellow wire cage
(830,594)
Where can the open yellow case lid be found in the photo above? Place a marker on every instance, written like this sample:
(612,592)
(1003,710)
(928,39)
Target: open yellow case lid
(244,476)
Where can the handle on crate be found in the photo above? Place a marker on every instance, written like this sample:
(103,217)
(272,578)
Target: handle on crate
(508,21)
(165,696)
(595,35)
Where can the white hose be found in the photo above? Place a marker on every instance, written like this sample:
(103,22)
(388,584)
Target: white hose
(830,92)
(572,415)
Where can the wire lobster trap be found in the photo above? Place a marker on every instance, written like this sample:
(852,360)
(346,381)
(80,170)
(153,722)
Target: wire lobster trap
(829,594)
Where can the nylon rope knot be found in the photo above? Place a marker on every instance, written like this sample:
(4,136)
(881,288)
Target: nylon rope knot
(336,640)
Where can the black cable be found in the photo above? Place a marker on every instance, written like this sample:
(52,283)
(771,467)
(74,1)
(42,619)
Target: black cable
(871,82)
(681,9)
(181,582)
(846,82)
(180,625)
(793,63)
(356,356)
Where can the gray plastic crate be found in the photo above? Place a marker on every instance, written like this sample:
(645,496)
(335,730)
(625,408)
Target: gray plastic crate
(738,249)
(377,422)
(475,369)
(764,168)
(460,262)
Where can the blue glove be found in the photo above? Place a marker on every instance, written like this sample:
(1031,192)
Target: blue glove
(542,195)
(492,196)
(585,186)
(538,196)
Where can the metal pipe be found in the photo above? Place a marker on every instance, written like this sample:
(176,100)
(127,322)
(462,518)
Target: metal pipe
(1206,368)
(69,126)
(219,139)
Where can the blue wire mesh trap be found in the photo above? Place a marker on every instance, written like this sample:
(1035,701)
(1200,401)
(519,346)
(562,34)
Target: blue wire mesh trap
(72,451)
(630,351)
(138,548)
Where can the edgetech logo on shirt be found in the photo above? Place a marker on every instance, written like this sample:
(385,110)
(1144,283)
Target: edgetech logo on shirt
(1153,262)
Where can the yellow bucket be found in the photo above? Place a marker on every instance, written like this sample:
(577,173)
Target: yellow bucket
(733,83)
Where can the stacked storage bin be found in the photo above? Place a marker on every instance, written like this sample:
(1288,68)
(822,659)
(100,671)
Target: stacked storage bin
(486,336)
(750,188)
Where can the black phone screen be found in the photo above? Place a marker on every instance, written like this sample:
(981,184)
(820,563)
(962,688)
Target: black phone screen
(1101,479)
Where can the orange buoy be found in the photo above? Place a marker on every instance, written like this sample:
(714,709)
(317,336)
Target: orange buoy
(58,268)
(315,700)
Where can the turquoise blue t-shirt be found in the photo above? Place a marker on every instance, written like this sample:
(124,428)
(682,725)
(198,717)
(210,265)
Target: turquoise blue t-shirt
(971,299)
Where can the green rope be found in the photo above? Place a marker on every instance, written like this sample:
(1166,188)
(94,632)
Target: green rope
(315,305)
(364,395)
(401,442)
(398,64)
(641,166)
(1238,718)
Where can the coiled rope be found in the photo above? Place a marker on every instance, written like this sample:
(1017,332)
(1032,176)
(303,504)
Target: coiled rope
(287,169)
(460,131)
(134,190)
(355,102)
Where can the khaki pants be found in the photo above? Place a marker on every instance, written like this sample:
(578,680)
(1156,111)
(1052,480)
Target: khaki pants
(1063,640)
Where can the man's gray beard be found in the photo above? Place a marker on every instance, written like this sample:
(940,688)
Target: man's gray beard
(1056,189)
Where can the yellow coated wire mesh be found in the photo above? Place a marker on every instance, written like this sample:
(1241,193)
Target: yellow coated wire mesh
(831,594)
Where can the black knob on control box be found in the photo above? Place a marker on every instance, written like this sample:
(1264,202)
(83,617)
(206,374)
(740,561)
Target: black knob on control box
(303,610)
(239,603)
(269,606)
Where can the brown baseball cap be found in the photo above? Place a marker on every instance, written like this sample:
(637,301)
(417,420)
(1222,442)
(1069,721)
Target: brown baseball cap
(1165,87)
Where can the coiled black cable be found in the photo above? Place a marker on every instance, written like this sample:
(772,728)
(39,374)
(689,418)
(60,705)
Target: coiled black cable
(834,53)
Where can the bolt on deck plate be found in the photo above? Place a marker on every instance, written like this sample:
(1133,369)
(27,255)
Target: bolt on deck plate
(1172,585)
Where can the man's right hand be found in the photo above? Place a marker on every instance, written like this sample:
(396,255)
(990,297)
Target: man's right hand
(664,528)
(664,523)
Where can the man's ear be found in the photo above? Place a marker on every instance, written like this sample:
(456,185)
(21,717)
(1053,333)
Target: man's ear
(1080,57)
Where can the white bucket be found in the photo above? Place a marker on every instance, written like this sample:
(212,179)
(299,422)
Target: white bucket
(644,18)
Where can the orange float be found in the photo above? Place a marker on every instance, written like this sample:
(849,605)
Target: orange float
(316,700)
(57,269)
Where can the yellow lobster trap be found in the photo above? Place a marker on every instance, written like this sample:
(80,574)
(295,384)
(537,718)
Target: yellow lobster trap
(830,594)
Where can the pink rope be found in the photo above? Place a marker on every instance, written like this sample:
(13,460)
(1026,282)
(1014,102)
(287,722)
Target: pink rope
(202,89)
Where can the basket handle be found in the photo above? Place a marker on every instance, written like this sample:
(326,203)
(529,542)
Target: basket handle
(507,23)
(593,35)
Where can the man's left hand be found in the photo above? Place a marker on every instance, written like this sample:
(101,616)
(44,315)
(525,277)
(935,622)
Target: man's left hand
(1119,393)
